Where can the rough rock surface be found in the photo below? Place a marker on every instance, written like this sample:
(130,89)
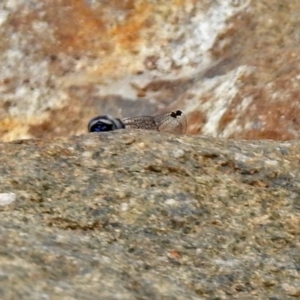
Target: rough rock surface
(231,65)
(129,215)
(146,215)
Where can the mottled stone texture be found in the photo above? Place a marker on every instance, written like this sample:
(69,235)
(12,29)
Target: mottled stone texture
(144,215)
(125,215)
(232,66)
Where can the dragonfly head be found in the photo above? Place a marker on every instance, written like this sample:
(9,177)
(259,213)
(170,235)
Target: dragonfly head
(104,123)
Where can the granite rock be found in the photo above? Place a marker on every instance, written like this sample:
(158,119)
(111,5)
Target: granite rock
(129,215)
(231,65)
(147,215)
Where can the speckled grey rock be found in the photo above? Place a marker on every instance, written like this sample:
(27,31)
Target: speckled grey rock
(135,215)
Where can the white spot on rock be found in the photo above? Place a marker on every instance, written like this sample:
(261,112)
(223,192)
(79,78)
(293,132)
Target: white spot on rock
(3,16)
(178,153)
(124,206)
(171,202)
(7,198)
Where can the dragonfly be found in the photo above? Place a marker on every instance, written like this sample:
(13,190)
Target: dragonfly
(172,122)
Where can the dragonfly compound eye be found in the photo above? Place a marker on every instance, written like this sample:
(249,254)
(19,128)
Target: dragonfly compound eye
(101,126)
(104,123)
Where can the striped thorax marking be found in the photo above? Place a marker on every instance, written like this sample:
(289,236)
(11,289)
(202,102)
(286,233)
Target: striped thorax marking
(173,122)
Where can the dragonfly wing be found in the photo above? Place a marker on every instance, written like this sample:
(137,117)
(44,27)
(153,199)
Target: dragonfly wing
(173,122)
(143,122)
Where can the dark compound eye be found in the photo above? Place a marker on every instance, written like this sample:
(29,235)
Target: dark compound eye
(101,126)
(105,123)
